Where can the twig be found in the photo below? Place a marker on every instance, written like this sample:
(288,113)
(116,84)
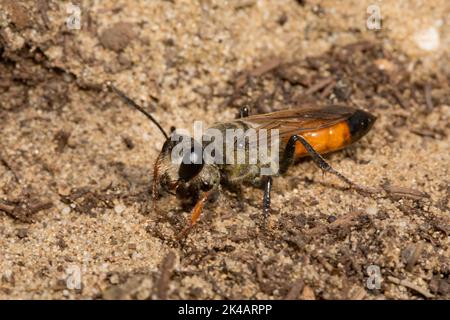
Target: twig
(6,208)
(428,98)
(401,192)
(42,6)
(244,5)
(23,211)
(295,290)
(39,206)
(166,272)
(397,95)
(265,67)
(431,133)
(318,86)
(411,286)
(16,212)
(347,220)
(328,89)
(6,164)
(412,259)
(259,273)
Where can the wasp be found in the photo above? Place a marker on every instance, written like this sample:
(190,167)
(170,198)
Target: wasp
(303,131)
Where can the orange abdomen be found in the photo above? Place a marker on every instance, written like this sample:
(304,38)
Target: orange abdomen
(326,140)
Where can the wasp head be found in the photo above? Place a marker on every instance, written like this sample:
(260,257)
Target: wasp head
(180,168)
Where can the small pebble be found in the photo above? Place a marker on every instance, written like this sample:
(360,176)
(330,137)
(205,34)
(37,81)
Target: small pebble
(7,276)
(308,293)
(119,209)
(118,36)
(22,233)
(114,279)
(372,210)
(427,39)
(64,190)
(384,64)
(331,219)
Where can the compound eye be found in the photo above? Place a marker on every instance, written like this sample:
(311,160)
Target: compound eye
(191,165)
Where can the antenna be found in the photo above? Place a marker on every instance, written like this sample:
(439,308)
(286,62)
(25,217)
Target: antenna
(130,102)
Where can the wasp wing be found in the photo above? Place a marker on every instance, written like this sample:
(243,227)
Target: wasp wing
(299,120)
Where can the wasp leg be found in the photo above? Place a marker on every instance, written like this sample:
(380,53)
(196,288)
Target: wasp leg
(289,154)
(266,199)
(244,111)
(195,214)
(317,158)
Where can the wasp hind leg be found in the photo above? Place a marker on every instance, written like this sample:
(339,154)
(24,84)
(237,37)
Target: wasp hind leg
(289,155)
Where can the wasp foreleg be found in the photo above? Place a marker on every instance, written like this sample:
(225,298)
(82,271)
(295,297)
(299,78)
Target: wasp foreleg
(195,214)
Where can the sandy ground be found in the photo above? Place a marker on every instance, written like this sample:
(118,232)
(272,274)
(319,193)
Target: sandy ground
(76,163)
